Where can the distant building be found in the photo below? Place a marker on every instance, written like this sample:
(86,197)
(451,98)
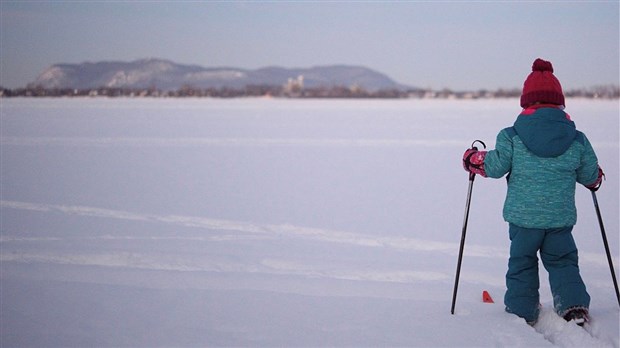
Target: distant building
(293,87)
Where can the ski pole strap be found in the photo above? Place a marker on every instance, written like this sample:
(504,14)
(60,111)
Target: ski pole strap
(484,146)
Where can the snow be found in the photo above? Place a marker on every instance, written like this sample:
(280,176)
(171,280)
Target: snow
(268,222)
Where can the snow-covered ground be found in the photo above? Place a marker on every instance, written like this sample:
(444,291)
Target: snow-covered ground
(265,222)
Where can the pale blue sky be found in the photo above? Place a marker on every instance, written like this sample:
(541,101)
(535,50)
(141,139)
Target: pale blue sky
(453,44)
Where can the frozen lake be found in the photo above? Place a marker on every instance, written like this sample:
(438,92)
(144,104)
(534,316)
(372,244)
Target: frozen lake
(268,222)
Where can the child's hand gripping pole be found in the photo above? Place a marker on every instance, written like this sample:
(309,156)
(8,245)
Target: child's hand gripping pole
(473,160)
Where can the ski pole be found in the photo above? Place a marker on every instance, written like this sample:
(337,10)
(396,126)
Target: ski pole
(472,176)
(609,259)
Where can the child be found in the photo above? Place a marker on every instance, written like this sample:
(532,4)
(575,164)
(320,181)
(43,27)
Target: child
(544,156)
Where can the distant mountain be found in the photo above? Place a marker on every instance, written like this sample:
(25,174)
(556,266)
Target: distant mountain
(167,75)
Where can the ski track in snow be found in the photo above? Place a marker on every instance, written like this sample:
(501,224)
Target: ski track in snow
(273,231)
(237,230)
(266,230)
(229,230)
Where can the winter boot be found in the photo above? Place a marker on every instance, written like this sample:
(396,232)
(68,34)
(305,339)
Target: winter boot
(577,314)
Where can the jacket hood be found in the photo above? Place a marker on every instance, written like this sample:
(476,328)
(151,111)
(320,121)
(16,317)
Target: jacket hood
(547,132)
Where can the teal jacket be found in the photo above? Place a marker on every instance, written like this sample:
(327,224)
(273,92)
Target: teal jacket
(544,156)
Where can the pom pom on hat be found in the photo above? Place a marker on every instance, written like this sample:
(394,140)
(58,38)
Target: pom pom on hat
(542,65)
(541,86)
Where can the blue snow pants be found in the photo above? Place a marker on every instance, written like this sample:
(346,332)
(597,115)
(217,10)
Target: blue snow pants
(559,257)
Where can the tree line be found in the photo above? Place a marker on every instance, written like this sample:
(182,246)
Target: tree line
(601,92)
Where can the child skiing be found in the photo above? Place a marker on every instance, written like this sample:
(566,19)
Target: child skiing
(544,156)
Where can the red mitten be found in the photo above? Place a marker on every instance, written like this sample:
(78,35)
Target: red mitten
(473,161)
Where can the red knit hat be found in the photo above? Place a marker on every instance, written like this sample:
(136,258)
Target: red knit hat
(541,86)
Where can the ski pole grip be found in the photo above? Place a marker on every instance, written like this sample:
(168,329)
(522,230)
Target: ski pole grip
(484,146)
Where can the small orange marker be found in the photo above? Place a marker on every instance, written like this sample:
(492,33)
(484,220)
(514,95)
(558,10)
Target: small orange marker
(486,298)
